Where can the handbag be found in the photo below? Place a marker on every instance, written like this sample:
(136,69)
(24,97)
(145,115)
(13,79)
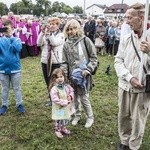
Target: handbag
(99,42)
(147,86)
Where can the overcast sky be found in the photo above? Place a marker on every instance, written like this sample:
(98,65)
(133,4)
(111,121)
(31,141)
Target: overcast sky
(81,2)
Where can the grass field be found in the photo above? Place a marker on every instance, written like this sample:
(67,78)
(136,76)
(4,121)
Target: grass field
(34,130)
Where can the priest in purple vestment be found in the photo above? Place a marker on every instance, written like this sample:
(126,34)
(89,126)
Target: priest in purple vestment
(32,34)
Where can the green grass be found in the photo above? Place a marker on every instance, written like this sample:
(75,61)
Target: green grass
(34,130)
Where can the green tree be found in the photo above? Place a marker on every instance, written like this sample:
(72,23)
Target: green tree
(26,2)
(47,5)
(14,8)
(77,10)
(3,9)
(67,9)
(61,7)
(21,8)
(56,6)
(37,10)
(43,6)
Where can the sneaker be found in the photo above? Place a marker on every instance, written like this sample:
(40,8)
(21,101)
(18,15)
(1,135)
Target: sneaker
(21,108)
(64,130)
(58,134)
(89,123)
(3,110)
(75,121)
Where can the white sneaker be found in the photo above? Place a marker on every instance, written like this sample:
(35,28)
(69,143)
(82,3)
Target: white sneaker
(75,121)
(89,123)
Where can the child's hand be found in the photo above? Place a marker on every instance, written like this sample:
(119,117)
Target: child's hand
(69,98)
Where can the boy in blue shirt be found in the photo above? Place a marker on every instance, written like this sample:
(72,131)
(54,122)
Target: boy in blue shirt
(10,67)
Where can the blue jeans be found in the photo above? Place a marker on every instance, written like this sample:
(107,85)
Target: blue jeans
(14,79)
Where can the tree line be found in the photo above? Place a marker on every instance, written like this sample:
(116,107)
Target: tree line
(41,7)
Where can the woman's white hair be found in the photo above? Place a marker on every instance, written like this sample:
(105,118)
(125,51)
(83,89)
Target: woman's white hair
(73,23)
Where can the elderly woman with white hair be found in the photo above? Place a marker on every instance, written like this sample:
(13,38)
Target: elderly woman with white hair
(80,55)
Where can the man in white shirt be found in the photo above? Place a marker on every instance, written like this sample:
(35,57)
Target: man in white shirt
(134,102)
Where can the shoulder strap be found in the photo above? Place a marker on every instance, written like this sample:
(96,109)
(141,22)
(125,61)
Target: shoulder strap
(138,54)
(86,46)
(56,57)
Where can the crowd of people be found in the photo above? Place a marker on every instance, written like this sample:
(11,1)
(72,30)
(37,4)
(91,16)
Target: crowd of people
(104,34)
(69,51)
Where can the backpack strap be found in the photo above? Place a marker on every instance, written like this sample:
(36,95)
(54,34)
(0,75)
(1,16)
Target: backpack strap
(95,69)
(137,54)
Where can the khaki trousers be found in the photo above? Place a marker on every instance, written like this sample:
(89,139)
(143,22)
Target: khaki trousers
(132,116)
(82,98)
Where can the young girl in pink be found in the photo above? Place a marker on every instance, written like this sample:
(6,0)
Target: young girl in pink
(62,95)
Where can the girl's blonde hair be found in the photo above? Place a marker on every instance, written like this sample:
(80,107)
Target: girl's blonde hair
(54,77)
(74,24)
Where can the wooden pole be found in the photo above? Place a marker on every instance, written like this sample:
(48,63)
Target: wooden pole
(144,35)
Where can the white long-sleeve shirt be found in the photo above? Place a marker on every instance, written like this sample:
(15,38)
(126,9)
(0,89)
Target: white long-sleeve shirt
(127,63)
(56,42)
